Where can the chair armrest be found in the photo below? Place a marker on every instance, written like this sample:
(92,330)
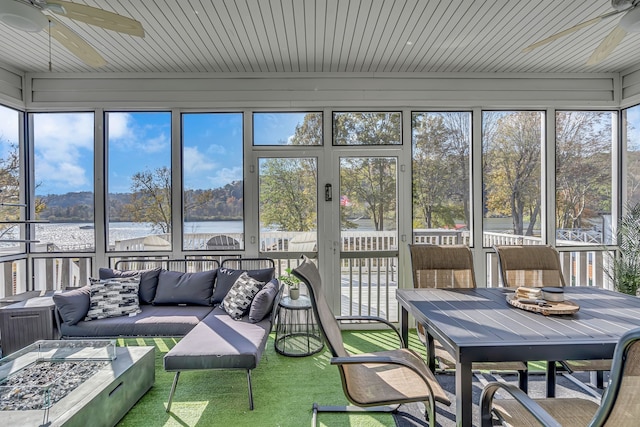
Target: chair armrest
(486,403)
(374,319)
(359,359)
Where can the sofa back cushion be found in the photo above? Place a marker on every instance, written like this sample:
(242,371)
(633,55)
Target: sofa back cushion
(228,276)
(148,281)
(175,287)
(72,305)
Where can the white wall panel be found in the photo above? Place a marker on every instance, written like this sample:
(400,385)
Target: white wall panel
(11,88)
(362,89)
(630,88)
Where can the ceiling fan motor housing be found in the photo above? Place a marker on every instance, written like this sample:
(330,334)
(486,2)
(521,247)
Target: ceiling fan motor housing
(23,17)
(631,21)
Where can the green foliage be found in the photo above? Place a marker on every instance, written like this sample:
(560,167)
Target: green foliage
(441,144)
(289,279)
(512,145)
(288,194)
(625,270)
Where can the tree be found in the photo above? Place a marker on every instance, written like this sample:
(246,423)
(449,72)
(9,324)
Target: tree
(441,144)
(9,187)
(288,194)
(583,167)
(511,157)
(369,182)
(151,198)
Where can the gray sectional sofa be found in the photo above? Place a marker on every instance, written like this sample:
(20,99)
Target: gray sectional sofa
(194,306)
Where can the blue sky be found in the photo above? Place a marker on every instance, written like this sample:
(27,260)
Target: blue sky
(141,141)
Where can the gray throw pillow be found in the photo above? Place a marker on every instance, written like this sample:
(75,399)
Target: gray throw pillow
(175,287)
(148,280)
(228,276)
(262,303)
(113,298)
(239,297)
(73,305)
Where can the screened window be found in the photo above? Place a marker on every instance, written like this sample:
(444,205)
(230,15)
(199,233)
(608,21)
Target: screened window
(288,204)
(511,161)
(287,128)
(139,181)
(441,144)
(583,177)
(63,145)
(10,182)
(632,132)
(212,181)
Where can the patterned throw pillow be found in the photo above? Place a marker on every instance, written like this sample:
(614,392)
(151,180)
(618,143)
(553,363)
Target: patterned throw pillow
(238,300)
(113,297)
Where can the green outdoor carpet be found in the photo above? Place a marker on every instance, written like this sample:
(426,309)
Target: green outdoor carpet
(284,390)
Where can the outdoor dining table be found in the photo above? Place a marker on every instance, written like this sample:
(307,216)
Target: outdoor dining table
(478,325)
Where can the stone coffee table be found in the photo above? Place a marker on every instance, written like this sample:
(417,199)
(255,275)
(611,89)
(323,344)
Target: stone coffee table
(73,383)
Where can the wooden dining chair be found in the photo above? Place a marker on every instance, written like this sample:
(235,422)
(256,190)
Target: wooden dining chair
(619,406)
(451,266)
(538,266)
(378,381)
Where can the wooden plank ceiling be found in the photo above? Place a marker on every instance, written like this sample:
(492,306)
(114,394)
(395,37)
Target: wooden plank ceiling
(275,36)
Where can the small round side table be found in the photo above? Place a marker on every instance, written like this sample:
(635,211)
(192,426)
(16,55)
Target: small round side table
(297,332)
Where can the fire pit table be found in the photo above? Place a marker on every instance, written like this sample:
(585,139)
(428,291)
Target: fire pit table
(73,383)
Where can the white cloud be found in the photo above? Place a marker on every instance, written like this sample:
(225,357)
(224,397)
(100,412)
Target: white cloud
(126,134)
(225,176)
(8,125)
(195,162)
(120,126)
(60,142)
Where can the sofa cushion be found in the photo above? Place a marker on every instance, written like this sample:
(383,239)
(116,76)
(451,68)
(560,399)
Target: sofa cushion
(219,342)
(113,297)
(262,303)
(239,297)
(175,287)
(228,276)
(148,280)
(73,305)
(154,320)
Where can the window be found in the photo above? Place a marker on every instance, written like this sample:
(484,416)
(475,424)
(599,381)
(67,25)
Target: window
(287,128)
(632,132)
(10,181)
(367,128)
(511,160)
(441,144)
(139,181)
(288,204)
(212,181)
(63,145)
(583,177)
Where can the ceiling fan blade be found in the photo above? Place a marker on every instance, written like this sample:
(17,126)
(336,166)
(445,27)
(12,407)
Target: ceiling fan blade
(607,45)
(75,44)
(570,30)
(99,17)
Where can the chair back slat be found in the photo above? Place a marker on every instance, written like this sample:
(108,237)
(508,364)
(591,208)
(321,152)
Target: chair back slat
(620,405)
(442,266)
(531,266)
(309,274)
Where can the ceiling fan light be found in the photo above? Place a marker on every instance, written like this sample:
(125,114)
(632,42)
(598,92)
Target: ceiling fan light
(631,21)
(22,17)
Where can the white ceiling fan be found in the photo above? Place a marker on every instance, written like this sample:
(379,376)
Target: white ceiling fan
(37,15)
(629,23)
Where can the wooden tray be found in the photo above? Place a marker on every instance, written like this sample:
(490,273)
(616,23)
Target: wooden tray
(564,307)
